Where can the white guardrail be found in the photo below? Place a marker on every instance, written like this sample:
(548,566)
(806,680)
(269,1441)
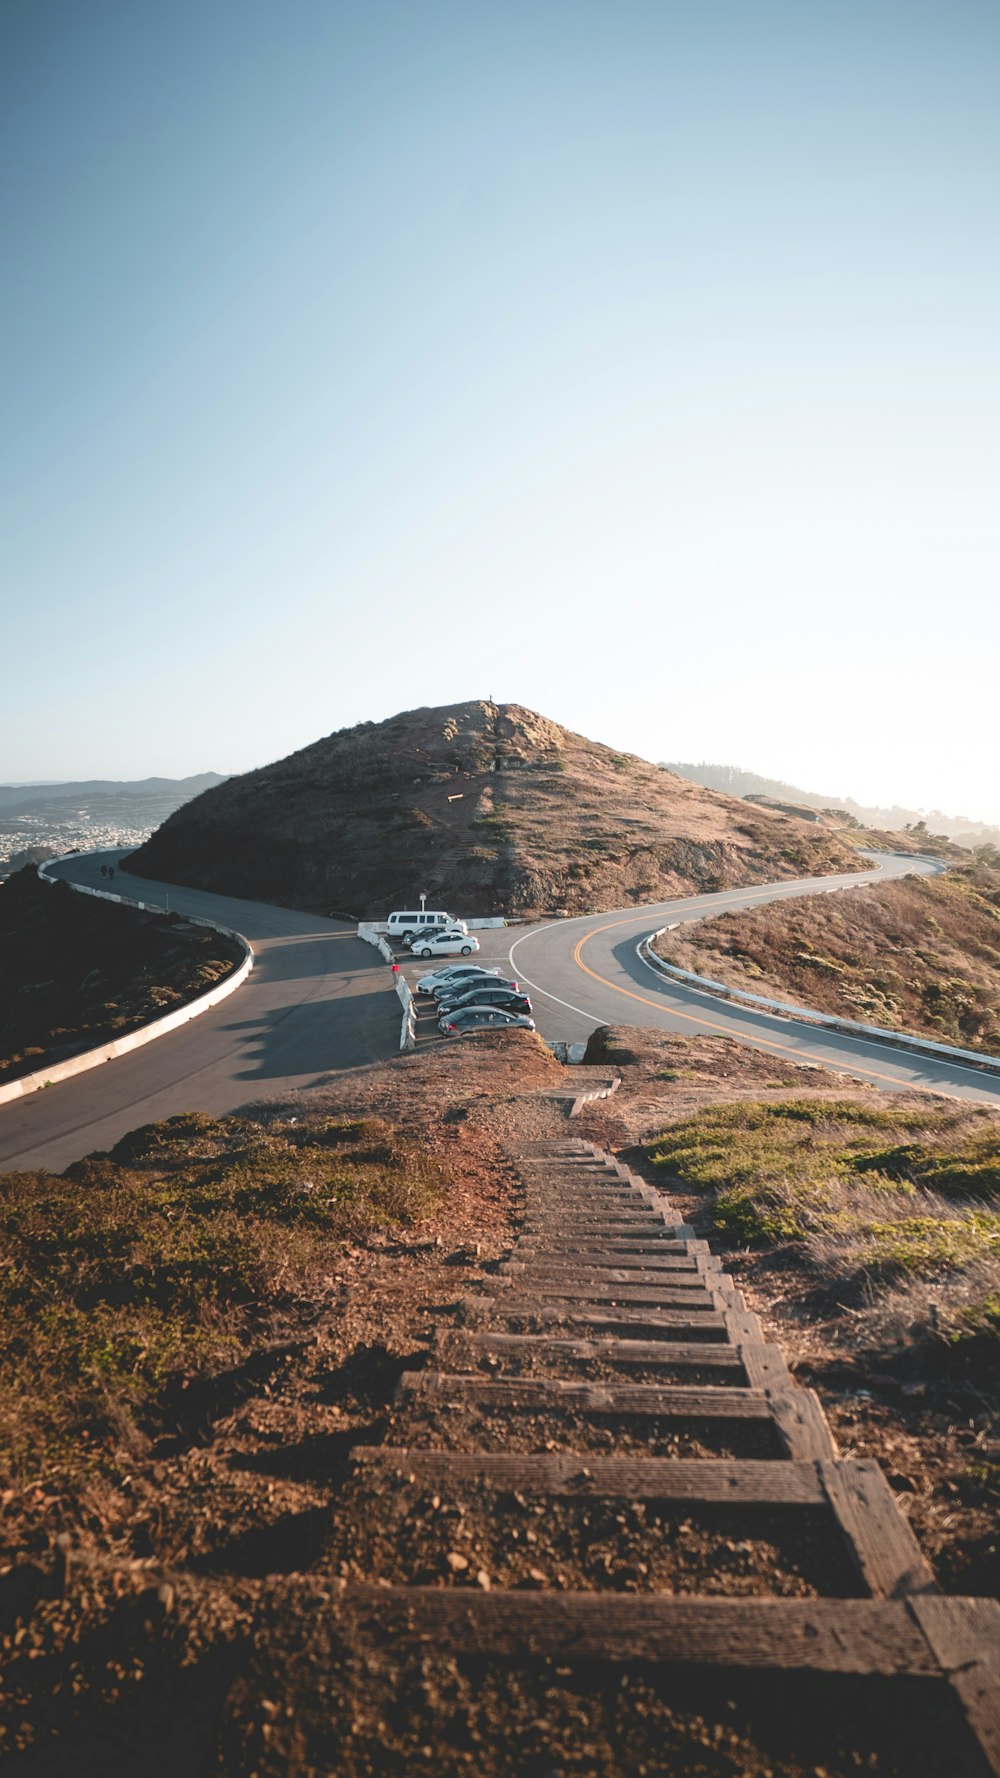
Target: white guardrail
(806,1016)
(133,1040)
(371,931)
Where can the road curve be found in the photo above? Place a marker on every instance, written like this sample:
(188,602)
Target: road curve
(318,999)
(586,971)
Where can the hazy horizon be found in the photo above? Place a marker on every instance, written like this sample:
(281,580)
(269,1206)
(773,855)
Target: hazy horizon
(844,792)
(631,361)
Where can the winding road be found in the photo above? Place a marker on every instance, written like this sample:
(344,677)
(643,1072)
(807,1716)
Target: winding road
(319,1000)
(587,971)
(316,1000)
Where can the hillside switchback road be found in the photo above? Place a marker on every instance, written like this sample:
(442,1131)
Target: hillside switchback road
(319,1000)
(586,971)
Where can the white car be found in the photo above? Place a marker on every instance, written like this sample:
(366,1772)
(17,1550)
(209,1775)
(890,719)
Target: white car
(451,973)
(446,944)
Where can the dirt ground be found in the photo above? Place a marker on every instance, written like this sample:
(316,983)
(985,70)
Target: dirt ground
(190,1604)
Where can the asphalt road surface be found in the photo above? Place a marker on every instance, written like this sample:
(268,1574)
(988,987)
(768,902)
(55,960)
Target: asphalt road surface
(317,999)
(586,971)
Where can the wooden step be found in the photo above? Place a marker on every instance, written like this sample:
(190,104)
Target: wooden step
(663,1401)
(671,1323)
(674,1266)
(863,1636)
(953,1641)
(667,1297)
(455,1347)
(712,1481)
(668,1255)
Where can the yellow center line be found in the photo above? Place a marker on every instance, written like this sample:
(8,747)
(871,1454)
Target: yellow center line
(695,1019)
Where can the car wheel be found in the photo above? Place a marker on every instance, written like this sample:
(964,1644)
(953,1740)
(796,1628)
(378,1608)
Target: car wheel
(426,953)
(466,950)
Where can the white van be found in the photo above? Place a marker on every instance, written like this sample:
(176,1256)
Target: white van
(422,920)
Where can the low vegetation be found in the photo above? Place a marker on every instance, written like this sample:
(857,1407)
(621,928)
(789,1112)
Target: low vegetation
(920,954)
(487,807)
(78,972)
(891,1207)
(135,1274)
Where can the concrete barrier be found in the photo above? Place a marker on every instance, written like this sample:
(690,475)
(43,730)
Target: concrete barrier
(121,1046)
(805,1015)
(408,1031)
(571,1054)
(133,1040)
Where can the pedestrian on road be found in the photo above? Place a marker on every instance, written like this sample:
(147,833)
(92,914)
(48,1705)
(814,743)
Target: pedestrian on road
(111,872)
(104,870)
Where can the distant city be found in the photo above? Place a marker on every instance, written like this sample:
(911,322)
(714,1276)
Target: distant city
(39,821)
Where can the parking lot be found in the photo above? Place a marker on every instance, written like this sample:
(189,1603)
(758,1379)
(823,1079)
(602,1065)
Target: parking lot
(493,953)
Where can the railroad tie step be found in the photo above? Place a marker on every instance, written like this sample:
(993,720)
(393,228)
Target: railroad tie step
(668,1266)
(596,1294)
(878,1541)
(665,1324)
(892,1638)
(663,1400)
(460,1349)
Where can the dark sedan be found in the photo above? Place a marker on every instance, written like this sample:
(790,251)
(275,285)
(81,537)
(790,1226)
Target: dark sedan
(483,1018)
(507,998)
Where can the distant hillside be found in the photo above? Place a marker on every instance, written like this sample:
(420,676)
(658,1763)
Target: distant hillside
(485,807)
(734,781)
(104,798)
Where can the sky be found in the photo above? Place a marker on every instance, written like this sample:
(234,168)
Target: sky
(637,362)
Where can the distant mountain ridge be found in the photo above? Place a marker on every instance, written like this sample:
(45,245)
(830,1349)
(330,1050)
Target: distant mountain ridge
(24,798)
(486,808)
(735,781)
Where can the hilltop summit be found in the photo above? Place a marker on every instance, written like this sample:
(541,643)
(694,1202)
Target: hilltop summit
(485,807)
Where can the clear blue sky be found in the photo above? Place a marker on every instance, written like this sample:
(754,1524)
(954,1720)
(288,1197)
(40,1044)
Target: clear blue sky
(636,362)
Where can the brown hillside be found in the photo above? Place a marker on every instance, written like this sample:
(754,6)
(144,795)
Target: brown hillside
(921,954)
(485,807)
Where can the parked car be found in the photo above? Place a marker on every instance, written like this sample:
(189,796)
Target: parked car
(422,920)
(452,972)
(464,984)
(506,998)
(411,940)
(483,1018)
(445,944)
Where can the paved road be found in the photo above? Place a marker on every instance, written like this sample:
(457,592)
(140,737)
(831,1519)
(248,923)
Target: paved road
(586,971)
(317,999)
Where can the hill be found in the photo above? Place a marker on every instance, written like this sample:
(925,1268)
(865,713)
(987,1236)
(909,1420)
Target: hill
(921,954)
(736,782)
(485,807)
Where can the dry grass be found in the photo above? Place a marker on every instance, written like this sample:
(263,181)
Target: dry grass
(891,1207)
(921,954)
(134,1274)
